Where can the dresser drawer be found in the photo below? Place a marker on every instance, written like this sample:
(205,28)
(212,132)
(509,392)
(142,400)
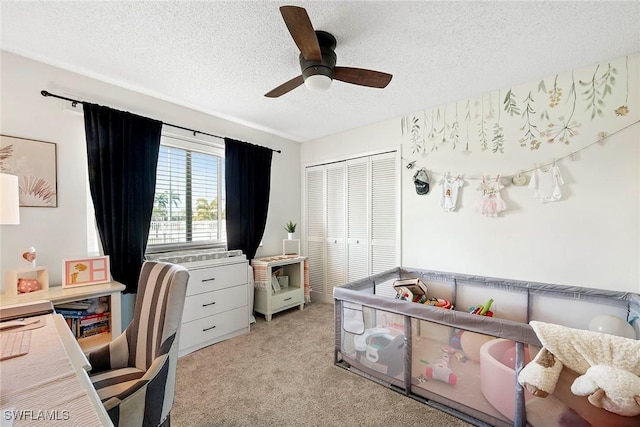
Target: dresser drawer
(211,327)
(293,296)
(210,303)
(213,278)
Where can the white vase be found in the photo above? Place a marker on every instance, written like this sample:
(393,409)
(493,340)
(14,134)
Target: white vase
(290,236)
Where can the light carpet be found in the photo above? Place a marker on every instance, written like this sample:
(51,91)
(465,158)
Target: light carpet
(282,374)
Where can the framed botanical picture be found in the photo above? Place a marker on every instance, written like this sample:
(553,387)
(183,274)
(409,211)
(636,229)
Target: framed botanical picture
(34,162)
(85,271)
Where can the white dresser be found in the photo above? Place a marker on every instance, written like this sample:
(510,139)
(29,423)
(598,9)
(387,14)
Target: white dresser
(217,304)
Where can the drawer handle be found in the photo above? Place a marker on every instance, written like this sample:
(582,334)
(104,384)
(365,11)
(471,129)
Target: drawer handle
(287,299)
(211,303)
(206,329)
(209,280)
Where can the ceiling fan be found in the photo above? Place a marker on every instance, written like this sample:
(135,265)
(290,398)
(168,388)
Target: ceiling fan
(318,58)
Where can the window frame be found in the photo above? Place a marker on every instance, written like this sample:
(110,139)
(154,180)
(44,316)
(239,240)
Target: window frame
(204,145)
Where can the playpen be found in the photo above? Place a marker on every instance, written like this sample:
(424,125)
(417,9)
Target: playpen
(463,363)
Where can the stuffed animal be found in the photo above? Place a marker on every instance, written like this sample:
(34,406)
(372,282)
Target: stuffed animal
(613,389)
(579,350)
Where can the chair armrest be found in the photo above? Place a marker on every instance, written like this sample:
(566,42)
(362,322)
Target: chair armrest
(114,355)
(149,379)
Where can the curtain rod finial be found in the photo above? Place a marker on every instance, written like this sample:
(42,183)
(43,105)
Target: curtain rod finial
(44,93)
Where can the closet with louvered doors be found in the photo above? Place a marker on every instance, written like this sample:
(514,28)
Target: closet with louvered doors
(352,214)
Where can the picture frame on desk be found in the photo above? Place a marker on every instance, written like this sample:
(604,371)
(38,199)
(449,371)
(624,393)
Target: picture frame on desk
(85,271)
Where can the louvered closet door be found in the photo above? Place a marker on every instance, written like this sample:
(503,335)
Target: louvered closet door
(357,219)
(315,196)
(385,212)
(335,205)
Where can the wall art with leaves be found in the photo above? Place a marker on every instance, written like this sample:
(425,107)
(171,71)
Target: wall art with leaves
(34,162)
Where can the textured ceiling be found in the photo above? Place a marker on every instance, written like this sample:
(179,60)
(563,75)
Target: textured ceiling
(222,57)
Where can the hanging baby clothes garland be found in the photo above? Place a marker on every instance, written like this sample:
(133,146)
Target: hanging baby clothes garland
(546,183)
(491,203)
(450,187)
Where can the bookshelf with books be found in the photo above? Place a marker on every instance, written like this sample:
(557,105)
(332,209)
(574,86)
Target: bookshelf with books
(83,321)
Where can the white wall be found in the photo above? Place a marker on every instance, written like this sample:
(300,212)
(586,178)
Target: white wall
(590,238)
(59,233)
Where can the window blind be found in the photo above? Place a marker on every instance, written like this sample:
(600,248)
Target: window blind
(189,201)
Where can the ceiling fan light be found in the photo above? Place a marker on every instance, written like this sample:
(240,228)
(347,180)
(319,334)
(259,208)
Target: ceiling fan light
(318,82)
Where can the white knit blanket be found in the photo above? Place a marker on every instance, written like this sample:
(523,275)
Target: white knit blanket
(578,349)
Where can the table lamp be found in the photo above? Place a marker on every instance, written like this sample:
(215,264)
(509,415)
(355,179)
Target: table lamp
(9,199)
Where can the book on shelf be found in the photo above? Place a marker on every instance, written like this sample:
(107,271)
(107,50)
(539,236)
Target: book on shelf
(84,331)
(76,309)
(92,330)
(74,305)
(95,318)
(72,312)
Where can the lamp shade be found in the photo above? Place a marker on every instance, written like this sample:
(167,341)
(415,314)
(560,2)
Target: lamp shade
(9,199)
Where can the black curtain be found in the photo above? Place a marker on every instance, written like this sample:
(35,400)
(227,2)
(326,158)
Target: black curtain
(248,182)
(122,151)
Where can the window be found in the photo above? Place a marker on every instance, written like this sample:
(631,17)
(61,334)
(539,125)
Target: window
(188,208)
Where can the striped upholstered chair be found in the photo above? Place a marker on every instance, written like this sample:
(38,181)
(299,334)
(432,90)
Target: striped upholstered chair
(134,374)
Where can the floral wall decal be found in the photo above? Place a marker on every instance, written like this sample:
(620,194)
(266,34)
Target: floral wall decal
(623,110)
(597,89)
(498,135)
(467,121)
(454,136)
(559,109)
(566,128)
(531,132)
(510,104)
(482,132)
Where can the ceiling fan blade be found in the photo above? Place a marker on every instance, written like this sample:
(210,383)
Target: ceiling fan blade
(362,77)
(299,25)
(285,87)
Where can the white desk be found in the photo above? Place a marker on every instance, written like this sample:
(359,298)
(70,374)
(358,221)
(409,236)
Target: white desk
(58,295)
(50,385)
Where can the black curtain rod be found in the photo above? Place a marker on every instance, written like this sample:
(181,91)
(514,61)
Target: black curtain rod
(75,102)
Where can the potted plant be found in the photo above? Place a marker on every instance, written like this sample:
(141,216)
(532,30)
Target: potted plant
(291,228)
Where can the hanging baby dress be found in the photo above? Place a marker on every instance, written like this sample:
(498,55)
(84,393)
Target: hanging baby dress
(491,203)
(546,183)
(450,186)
